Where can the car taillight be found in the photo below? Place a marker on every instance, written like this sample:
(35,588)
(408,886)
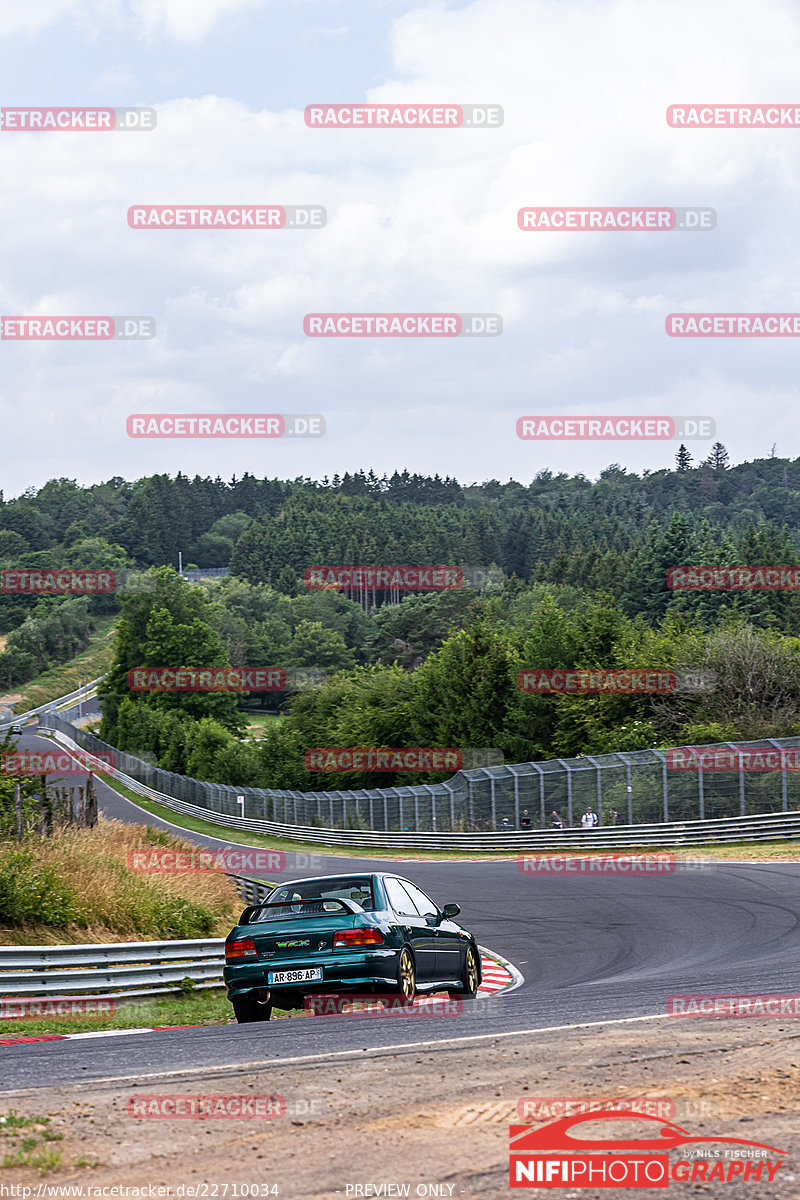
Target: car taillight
(244,949)
(358,937)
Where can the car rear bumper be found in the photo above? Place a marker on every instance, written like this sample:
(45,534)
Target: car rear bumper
(350,969)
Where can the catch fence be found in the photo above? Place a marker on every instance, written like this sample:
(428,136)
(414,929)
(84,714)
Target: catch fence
(625,789)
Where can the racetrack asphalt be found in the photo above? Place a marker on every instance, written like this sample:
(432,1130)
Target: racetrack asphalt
(592,948)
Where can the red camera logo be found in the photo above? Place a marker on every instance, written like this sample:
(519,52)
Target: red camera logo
(558,1155)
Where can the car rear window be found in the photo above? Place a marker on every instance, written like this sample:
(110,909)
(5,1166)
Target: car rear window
(357,888)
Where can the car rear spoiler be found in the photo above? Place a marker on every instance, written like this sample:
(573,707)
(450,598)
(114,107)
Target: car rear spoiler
(349,906)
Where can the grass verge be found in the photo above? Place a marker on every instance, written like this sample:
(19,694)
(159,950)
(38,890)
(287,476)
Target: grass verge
(79,886)
(206,1007)
(94,661)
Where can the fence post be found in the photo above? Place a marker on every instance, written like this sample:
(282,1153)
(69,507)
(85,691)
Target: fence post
(598,790)
(18,809)
(541,792)
(569,791)
(700,791)
(630,786)
(738,753)
(784,796)
(516,797)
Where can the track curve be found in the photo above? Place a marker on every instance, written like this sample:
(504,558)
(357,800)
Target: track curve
(591,948)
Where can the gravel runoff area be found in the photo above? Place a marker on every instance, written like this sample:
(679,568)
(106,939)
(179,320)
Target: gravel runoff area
(432,1120)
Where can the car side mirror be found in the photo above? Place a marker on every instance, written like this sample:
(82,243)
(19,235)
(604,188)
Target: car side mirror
(451,910)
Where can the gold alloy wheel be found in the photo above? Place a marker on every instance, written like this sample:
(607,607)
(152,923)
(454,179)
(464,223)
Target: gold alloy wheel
(408,976)
(471,972)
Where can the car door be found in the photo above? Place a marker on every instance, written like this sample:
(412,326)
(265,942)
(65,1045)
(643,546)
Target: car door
(448,938)
(421,935)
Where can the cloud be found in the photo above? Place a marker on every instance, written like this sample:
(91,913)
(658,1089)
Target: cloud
(422,221)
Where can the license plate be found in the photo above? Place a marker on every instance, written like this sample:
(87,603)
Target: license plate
(304,975)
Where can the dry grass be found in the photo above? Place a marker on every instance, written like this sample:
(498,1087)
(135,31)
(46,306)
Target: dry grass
(115,903)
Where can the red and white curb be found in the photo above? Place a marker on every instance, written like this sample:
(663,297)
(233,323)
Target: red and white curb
(496,976)
(499,975)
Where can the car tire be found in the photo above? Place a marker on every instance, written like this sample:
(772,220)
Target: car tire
(248,1007)
(470,974)
(406,975)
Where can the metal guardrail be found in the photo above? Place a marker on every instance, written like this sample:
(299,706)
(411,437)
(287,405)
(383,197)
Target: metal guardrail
(124,969)
(776,826)
(114,969)
(127,968)
(51,706)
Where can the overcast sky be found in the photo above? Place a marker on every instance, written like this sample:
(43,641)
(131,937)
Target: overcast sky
(418,221)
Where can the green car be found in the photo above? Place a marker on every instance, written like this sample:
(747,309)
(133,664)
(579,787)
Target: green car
(352,933)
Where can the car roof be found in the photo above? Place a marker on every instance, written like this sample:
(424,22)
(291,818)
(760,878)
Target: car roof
(338,875)
(344,875)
